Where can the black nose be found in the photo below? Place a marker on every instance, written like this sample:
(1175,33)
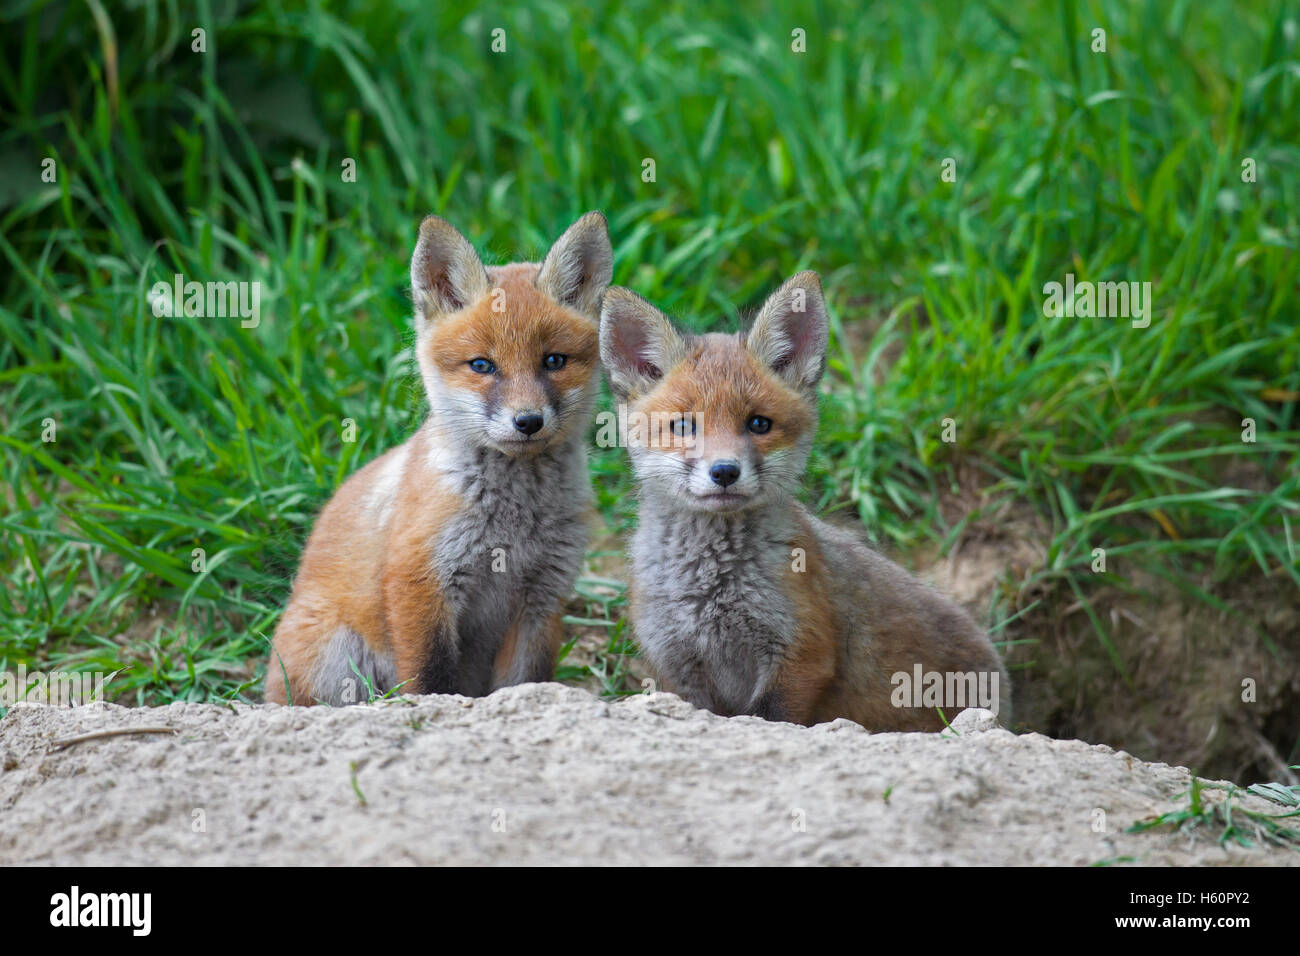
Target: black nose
(724,473)
(528,422)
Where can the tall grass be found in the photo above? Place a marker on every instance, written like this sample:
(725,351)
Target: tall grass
(177,434)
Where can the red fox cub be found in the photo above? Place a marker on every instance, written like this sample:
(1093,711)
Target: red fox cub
(442,565)
(744,602)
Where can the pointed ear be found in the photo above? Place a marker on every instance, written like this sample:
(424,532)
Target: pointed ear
(446,273)
(580,266)
(791,332)
(637,343)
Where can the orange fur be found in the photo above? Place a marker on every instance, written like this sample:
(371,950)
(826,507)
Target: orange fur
(512,338)
(723,384)
(806,679)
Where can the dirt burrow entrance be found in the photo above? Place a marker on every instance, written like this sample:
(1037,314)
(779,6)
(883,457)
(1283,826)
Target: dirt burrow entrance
(1216,689)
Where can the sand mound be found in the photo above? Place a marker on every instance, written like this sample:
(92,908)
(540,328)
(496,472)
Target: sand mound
(545,773)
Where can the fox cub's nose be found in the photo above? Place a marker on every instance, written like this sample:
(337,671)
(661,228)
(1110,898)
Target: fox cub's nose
(724,473)
(528,422)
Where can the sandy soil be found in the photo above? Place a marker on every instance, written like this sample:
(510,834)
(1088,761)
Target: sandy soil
(547,774)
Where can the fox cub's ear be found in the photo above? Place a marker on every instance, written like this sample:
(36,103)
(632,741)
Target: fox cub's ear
(446,273)
(637,343)
(580,266)
(791,331)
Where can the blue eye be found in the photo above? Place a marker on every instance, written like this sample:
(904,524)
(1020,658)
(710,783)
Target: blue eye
(554,362)
(482,366)
(683,426)
(759,425)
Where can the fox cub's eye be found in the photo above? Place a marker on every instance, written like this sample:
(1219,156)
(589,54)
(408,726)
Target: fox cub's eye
(683,426)
(759,425)
(554,362)
(482,366)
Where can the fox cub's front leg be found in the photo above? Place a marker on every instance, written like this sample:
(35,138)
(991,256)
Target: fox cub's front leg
(537,629)
(530,650)
(419,621)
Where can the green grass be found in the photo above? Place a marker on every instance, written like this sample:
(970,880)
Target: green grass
(1277,792)
(1225,821)
(179,434)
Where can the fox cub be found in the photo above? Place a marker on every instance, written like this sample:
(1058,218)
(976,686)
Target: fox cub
(744,602)
(441,566)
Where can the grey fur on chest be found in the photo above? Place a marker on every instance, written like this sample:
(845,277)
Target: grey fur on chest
(521,524)
(507,557)
(712,616)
